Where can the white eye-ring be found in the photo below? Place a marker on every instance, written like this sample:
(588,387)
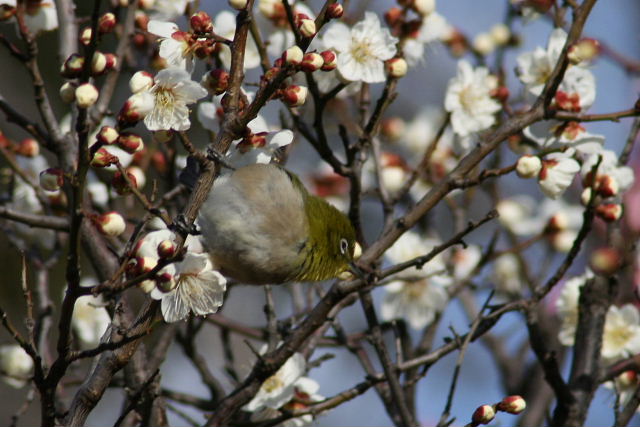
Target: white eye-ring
(344,246)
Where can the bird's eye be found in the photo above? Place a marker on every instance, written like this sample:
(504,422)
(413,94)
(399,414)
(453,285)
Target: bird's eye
(344,246)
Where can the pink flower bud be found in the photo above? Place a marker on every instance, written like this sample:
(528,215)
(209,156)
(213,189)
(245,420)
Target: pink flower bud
(512,404)
(272,9)
(295,95)
(120,184)
(628,379)
(501,93)
(98,64)
(238,4)
(111,224)
(107,135)
(106,23)
(86,95)
(201,22)
(397,67)
(28,147)
(112,61)
(293,55)
(583,50)
(307,27)
(51,179)
(483,415)
(146,4)
(85,36)
(528,166)
(335,11)
(141,80)
(130,142)
(585,197)
(392,128)
(72,67)
(311,62)
(609,212)
(393,16)
(607,186)
(166,249)
(68,92)
(165,281)
(251,141)
(138,174)
(144,265)
(329,58)
(557,222)
(103,158)
(136,108)
(605,261)
(216,81)
(142,20)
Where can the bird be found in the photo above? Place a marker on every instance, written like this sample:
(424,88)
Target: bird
(262,226)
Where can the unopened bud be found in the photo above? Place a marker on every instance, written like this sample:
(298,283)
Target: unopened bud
(136,108)
(130,142)
(251,141)
(483,415)
(238,4)
(311,62)
(307,27)
(335,11)
(51,179)
(216,81)
(138,174)
(295,95)
(86,95)
(106,23)
(272,9)
(557,222)
(72,67)
(112,61)
(68,92)
(528,166)
(397,67)
(392,128)
(142,21)
(605,261)
(28,147)
(103,158)
(585,197)
(628,379)
(141,80)
(144,264)
(111,224)
(563,241)
(85,36)
(329,58)
(609,212)
(165,281)
(393,16)
(423,7)
(166,249)
(146,4)
(583,50)
(201,22)
(120,184)
(512,404)
(607,186)
(98,63)
(293,55)
(501,34)
(483,44)
(107,135)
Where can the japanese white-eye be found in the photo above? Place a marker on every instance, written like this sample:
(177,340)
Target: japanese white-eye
(262,226)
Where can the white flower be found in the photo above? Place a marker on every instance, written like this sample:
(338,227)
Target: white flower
(167,10)
(16,365)
(469,101)
(567,307)
(557,134)
(506,274)
(225,26)
(39,16)
(411,245)
(175,50)
(279,388)
(173,91)
(246,154)
(623,175)
(90,320)
(577,91)
(621,336)
(434,28)
(305,393)
(534,68)
(465,260)
(361,50)
(556,175)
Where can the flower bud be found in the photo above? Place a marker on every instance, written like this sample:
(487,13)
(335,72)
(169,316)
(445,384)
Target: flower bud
(166,249)
(500,34)
(216,81)
(392,128)
(557,222)
(238,4)
(144,264)
(201,22)
(112,61)
(397,67)
(329,58)
(68,92)
(512,404)
(136,108)
(142,21)
(103,158)
(307,27)
(51,179)
(605,261)
(251,141)
(393,16)
(423,7)
(107,135)
(141,80)
(28,147)
(16,365)
(628,379)
(562,241)
(138,174)
(609,212)
(130,142)
(106,23)
(483,44)
(528,166)
(483,415)
(335,11)
(111,224)
(165,281)
(293,55)
(583,50)
(585,197)
(85,36)
(98,63)
(607,186)
(120,184)
(72,67)
(272,9)
(146,4)
(311,62)
(86,95)
(295,95)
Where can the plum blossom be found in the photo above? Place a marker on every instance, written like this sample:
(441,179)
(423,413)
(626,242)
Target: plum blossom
(16,366)
(534,68)
(168,10)
(174,47)
(506,274)
(621,332)
(557,175)
(361,50)
(305,393)
(90,319)
(567,307)
(39,16)
(469,100)
(225,26)
(622,176)
(434,28)
(173,90)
